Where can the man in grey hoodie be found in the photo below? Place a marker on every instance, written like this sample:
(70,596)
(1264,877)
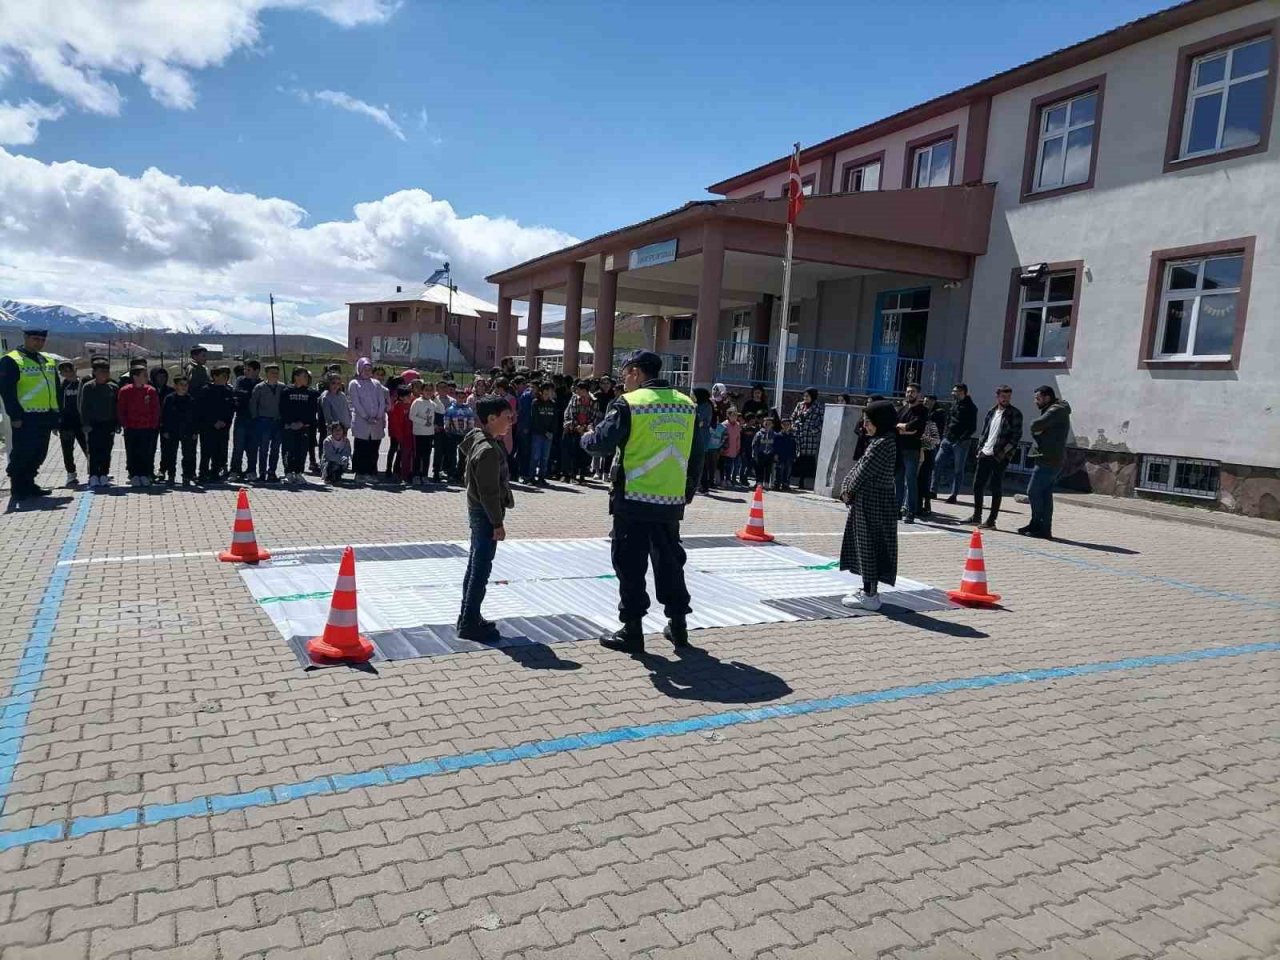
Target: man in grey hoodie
(488,481)
(1049,431)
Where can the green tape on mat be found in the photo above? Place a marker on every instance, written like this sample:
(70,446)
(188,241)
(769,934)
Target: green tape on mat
(297,596)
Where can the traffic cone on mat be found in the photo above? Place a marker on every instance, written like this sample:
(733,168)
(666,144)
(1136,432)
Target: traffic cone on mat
(244,544)
(973,582)
(341,642)
(754,530)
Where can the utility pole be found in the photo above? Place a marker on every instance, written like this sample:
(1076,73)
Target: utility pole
(274,349)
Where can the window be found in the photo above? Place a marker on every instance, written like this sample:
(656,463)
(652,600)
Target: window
(1224,96)
(861,176)
(493,326)
(806,186)
(741,336)
(1179,475)
(1042,315)
(1197,302)
(360,315)
(1226,99)
(393,316)
(931,165)
(453,319)
(1064,155)
(681,328)
(929,161)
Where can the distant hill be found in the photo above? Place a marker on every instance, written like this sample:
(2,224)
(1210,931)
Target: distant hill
(62,319)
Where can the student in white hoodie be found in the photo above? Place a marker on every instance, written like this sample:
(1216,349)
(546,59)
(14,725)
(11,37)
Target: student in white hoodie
(422,415)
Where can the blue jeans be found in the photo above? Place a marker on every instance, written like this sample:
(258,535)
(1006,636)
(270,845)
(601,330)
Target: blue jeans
(905,480)
(479,566)
(267,434)
(243,442)
(955,456)
(1040,493)
(540,457)
(524,451)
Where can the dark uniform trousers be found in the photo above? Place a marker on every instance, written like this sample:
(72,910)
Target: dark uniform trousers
(634,544)
(29,447)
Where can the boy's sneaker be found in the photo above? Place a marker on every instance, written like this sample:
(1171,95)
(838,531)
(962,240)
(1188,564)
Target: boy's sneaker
(72,480)
(93,482)
(861,602)
(135,481)
(272,478)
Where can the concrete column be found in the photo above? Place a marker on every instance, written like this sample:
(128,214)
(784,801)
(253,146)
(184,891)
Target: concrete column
(533,330)
(661,334)
(573,317)
(707,326)
(606,309)
(505,333)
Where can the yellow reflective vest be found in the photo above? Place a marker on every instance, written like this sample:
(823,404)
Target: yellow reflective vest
(656,455)
(37,382)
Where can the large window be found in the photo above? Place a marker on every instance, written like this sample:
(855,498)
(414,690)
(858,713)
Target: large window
(1197,304)
(1045,317)
(681,327)
(1179,475)
(1224,97)
(861,177)
(1064,153)
(931,165)
(741,336)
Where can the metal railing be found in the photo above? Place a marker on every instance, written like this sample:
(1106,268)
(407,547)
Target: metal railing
(830,371)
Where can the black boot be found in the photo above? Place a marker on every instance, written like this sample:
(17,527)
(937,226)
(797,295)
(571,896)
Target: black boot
(479,630)
(630,639)
(677,631)
(991,523)
(976,519)
(1030,530)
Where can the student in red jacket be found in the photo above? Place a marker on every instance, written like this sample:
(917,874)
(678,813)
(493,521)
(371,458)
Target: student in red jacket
(138,406)
(400,429)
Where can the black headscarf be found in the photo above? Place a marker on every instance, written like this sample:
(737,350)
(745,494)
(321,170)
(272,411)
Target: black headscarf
(882,415)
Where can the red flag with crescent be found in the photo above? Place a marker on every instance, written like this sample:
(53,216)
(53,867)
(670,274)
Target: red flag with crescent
(795,188)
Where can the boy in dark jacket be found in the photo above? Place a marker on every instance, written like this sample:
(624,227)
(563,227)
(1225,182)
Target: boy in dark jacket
(70,431)
(544,421)
(215,410)
(243,433)
(488,482)
(101,421)
(138,406)
(178,427)
(299,413)
(784,453)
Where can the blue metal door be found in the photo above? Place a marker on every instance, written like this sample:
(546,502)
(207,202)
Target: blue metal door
(894,308)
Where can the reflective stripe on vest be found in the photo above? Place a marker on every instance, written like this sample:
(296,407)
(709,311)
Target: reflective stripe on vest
(656,455)
(37,382)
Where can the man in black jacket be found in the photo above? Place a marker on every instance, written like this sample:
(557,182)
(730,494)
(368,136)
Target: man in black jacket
(912,417)
(70,431)
(178,428)
(1049,431)
(953,452)
(215,411)
(243,439)
(997,445)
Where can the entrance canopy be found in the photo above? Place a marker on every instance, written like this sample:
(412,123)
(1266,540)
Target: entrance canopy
(711,255)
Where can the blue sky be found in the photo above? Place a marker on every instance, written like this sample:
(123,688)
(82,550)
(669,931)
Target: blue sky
(576,116)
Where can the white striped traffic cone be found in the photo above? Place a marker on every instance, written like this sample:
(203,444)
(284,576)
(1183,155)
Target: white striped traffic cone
(244,543)
(754,530)
(341,642)
(973,582)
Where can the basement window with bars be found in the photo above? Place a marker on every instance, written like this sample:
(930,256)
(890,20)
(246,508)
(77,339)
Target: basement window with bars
(1180,476)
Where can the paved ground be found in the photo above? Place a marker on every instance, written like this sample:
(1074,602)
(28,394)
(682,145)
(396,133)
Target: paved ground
(1091,771)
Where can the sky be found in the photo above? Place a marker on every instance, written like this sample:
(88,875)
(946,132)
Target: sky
(172,163)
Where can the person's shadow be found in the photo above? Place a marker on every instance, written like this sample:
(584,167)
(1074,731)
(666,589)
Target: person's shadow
(697,675)
(535,656)
(37,504)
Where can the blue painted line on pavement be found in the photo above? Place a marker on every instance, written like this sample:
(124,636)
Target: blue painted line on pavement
(16,708)
(342,782)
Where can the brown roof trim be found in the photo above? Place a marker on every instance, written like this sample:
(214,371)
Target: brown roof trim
(1144,28)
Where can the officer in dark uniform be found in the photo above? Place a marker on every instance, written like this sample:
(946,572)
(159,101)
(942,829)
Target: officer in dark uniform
(651,428)
(29,391)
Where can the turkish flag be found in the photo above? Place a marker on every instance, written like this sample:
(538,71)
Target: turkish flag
(795,189)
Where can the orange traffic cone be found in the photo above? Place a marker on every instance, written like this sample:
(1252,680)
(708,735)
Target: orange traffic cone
(342,641)
(973,583)
(244,544)
(754,530)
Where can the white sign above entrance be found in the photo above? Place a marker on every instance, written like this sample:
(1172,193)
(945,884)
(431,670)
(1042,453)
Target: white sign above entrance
(652,254)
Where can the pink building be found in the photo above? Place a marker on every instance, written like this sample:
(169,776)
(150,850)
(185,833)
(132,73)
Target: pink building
(425,327)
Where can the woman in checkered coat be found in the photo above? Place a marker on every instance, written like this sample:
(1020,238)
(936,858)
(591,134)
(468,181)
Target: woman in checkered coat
(870,546)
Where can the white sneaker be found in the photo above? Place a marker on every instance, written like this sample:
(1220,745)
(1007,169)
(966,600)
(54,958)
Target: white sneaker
(861,602)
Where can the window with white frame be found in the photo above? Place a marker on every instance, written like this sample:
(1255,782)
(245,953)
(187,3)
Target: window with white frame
(1226,99)
(1199,307)
(931,165)
(1064,153)
(741,336)
(360,315)
(1045,317)
(493,325)
(862,178)
(1179,475)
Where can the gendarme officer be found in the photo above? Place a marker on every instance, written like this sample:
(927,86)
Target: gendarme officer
(29,391)
(656,473)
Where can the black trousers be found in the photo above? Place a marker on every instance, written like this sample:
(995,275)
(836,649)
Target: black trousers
(71,437)
(213,451)
(295,449)
(446,455)
(169,455)
(573,459)
(422,445)
(990,474)
(634,544)
(364,458)
(28,447)
(140,451)
(102,441)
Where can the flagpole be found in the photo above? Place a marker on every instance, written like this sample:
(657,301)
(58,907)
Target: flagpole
(780,363)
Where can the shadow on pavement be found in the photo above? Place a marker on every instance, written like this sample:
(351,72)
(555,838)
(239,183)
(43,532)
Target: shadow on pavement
(1102,547)
(37,504)
(697,675)
(932,624)
(536,656)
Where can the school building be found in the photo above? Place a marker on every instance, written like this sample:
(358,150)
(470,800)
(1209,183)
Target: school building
(1099,219)
(428,326)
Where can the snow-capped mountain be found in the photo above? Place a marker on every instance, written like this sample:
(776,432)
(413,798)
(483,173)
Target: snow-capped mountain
(62,319)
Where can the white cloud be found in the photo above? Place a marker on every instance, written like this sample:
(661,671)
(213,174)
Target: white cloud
(20,123)
(71,46)
(95,239)
(344,101)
